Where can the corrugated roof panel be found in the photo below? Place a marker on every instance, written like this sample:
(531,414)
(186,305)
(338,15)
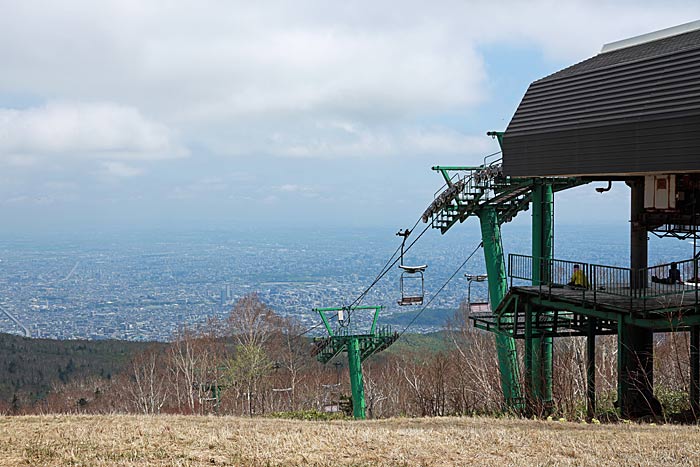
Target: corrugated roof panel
(618,110)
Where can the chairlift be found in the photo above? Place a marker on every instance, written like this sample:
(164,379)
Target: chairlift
(343,318)
(411,293)
(477,307)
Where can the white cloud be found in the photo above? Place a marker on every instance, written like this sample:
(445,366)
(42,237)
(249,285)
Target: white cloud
(357,140)
(302,190)
(84,130)
(209,59)
(202,187)
(120,169)
(240,74)
(267,92)
(292,188)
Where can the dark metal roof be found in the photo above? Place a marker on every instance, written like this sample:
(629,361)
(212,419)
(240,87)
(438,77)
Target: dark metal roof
(645,51)
(630,110)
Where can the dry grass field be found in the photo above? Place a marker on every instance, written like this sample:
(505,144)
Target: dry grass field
(198,441)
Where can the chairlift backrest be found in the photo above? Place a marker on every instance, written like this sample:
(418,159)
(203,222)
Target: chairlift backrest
(410,273)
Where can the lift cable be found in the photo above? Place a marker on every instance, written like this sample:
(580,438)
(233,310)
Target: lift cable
(387,267)
(441,288)
(390,264)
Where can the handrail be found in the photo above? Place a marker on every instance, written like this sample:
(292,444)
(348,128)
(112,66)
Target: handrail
(444,186)
(643,284)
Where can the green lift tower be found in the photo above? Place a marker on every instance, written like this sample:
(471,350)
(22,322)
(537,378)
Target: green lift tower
(629,114)
(358,345)
(485,193)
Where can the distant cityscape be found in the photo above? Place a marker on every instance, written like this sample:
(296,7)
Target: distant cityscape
(145,286)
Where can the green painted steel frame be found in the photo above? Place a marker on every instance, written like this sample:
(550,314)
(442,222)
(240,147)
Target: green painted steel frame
(498,285)
(664,320)
(618,322)
(539,370)
(510,196)
(356,382)
(326,322)
(358,348)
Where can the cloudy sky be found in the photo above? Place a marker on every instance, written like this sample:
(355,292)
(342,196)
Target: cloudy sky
(304,113)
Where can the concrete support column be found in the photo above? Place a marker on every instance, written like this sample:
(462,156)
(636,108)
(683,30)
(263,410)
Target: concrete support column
(635,345)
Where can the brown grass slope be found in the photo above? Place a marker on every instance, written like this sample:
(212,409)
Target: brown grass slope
(198,441)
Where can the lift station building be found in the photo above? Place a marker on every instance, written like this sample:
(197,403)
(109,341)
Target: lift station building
(629,114)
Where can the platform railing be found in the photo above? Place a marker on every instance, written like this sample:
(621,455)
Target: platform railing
(660,280)
(519,267)
(647,284)
(553,273)
(612,280)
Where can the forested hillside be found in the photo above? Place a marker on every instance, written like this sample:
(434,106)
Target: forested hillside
(31,367)
(256,362)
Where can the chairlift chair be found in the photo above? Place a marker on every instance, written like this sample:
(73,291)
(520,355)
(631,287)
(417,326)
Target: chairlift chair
(477,307)
(410,275)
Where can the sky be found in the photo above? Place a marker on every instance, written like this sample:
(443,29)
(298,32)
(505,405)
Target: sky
(274,114)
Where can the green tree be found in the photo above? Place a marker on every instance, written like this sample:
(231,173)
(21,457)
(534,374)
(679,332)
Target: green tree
(245,370)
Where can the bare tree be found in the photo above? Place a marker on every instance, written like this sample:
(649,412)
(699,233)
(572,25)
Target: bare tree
(291,353)
(194,368)
(253,327)
(251,322)
(148,389)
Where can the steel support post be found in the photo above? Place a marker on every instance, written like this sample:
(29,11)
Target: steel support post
(540,380)
(590,367)
(638,236)
(635,362)
(695,370)
(636,344)
(356,383)
(622,380)
(498,285)
(529,354)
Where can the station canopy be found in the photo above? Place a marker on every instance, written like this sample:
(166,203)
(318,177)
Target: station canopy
(633,109)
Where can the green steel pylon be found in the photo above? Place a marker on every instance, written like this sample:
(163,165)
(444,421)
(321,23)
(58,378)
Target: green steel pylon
(358,346)
(538,349)
(485,192)
(498,285)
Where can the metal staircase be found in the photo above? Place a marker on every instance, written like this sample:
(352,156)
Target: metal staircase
(485,192)
(471,189)
(357,340)
(325,349)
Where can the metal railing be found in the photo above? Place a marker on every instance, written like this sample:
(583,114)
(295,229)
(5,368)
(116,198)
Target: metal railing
(596,281)
(548,273)
(661,277)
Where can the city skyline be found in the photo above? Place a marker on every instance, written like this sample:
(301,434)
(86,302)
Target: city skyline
(146,286)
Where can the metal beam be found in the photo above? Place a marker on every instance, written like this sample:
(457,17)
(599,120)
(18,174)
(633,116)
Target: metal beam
(529,354)
(622,380)
(498,285)
(672,322)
